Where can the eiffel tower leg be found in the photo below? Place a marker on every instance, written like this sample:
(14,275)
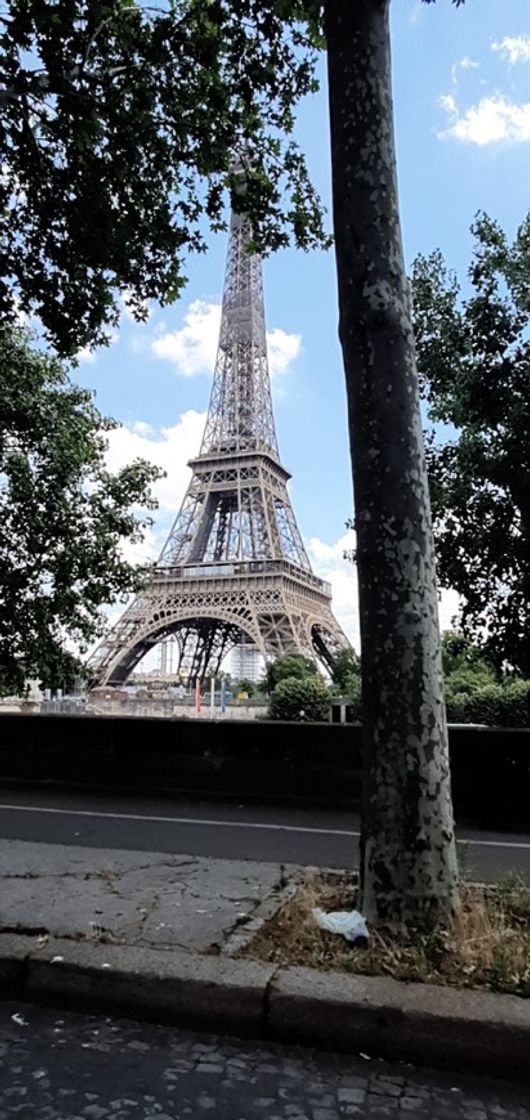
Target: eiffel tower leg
(186,642)
(122,649)
(212,643)
(296,627)
(327,643)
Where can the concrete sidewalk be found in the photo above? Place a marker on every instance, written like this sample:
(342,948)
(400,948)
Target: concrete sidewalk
(150,936)
(144,899)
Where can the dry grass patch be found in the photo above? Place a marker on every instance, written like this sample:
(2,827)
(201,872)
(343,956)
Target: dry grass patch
(488,946)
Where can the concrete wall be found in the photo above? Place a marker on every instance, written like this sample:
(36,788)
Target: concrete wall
(317,764)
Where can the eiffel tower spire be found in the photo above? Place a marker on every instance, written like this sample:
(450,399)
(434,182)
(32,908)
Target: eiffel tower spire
(249,517)
(240,416)
(234,564)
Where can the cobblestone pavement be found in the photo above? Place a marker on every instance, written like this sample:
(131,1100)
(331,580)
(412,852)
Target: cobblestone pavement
(61,1066)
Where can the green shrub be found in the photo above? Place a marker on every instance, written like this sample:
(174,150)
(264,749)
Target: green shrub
(469,679)
(457,707)
(516,704)
(482,706)
(497,705)
(302,699)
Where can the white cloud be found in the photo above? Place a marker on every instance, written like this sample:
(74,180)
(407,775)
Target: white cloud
(448,608)
(86,355)
(489,121)
(169,448)
(467,63)
(515,48)
(448,102)
(464,63)
(144,551)
(328,562)
(142,428)
(193,348)
(283,350)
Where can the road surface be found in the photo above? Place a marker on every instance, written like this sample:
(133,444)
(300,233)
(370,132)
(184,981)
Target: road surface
(60,1066)
(313,837)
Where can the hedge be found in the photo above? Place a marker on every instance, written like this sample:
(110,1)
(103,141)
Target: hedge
(492,705)
(495,705)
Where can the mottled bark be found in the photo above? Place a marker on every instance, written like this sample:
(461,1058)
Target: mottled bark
(408,849)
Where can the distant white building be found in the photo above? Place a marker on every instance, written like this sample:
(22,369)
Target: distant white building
(246,662)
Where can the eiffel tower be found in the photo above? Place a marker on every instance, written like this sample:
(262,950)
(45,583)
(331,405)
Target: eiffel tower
(234,567)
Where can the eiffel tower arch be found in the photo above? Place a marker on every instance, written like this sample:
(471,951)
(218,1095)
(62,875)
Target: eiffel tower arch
(234,563)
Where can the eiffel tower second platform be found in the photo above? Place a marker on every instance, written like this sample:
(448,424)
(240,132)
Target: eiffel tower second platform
(234,566)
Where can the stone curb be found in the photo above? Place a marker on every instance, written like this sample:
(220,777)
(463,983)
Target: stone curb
(421,1023)
(200,992)
(426,1024)
(243,934)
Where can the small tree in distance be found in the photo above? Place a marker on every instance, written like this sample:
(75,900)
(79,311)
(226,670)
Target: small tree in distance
(288,665)
(301,699)
(247,686)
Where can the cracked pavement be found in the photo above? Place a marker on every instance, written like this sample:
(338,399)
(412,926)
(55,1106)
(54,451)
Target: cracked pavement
(62,1066)
(132,898)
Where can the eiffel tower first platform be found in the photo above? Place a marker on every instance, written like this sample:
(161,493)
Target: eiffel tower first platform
(234,567)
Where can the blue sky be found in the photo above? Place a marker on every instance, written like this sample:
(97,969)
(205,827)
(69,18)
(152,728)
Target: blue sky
(462,106)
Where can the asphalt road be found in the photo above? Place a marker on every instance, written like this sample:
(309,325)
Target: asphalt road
(60,1066)
(313,837)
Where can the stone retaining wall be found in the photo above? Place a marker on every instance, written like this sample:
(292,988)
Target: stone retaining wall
(259,761)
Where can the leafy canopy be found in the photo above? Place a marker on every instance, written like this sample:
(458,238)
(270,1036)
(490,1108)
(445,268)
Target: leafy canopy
(64,518)
(461,655)
(289,665)
(119,124)
(474,362)
(120,121)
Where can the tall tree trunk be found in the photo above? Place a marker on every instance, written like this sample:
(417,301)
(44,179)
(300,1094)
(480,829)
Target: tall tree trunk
(408,856)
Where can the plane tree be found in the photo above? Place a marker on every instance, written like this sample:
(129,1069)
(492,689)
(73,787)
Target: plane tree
(120,121)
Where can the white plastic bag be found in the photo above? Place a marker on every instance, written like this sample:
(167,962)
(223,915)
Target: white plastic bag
(349,923)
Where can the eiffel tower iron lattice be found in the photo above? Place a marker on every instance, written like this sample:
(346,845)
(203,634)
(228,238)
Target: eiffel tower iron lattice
(234,566)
